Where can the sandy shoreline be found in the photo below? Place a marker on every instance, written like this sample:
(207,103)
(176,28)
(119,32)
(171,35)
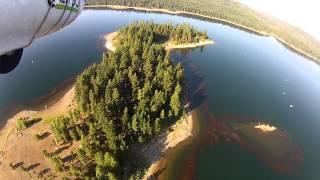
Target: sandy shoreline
(36,104)
(110,38)
(59,107)
(156,151)
(170,46)
(23,148)
(263,33)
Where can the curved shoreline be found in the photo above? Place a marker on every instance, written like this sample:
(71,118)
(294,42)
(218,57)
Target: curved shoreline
(167,11)
(21,146)
(56,105)
(157,152)
(38,103)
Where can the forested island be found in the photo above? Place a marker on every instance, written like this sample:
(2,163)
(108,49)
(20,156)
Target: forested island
(228,11)
(129,97)
(133,95)
(170,36)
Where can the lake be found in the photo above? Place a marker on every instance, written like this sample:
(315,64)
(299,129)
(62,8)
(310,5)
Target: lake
(240,81)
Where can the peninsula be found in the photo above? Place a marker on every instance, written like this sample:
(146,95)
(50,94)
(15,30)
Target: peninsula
(167,42)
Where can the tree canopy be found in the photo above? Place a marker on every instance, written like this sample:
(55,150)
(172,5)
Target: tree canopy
(126,99)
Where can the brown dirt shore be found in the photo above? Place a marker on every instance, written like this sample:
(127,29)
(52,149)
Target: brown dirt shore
(22,148)
(263,33)
(156,152)
(36,104)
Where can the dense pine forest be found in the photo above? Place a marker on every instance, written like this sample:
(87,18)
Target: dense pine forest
(132,95)
(232,11)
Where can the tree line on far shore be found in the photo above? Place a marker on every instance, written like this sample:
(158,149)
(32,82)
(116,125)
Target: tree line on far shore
(232,11)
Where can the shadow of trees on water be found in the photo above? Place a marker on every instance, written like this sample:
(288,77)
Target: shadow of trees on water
(195,85)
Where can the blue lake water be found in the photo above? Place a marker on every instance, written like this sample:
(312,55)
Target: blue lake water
(244,75)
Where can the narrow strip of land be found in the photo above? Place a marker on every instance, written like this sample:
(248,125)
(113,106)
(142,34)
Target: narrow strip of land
(111,38)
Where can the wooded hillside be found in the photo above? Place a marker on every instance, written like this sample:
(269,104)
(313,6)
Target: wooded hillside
(234,12)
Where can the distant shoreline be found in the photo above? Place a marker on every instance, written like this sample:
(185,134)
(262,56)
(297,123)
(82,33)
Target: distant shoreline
(262,33)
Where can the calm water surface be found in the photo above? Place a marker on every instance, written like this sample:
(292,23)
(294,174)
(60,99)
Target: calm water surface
(243,75)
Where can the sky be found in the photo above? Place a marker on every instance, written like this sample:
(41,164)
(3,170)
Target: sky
(302,13)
